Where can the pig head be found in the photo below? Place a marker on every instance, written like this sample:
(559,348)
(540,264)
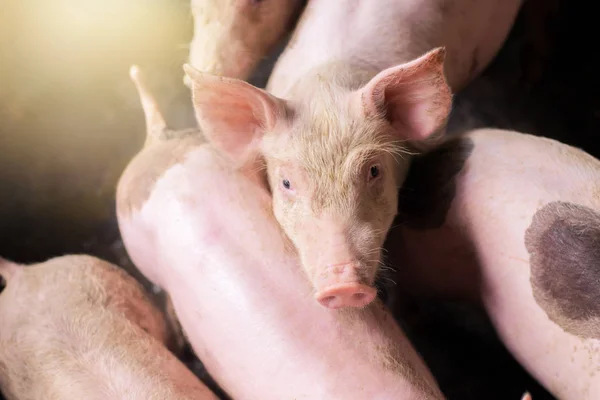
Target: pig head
(232,36)
(334,156)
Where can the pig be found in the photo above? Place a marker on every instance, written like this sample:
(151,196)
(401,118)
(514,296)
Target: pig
(232,36)
(361,87)
(204,232)
(77,327)
(510,221)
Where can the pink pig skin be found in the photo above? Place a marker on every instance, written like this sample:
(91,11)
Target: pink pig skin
(77,327)
(519,233)
(380,34)
(206,234)
(361,87)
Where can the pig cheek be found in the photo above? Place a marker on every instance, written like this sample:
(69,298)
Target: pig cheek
(284,210)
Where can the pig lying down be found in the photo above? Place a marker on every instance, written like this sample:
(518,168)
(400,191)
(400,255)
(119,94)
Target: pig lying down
(360,87)
(77,327)
(205,232)
(516,225)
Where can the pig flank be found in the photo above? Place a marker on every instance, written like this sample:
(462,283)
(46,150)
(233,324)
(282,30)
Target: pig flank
(78,327)
(519,234)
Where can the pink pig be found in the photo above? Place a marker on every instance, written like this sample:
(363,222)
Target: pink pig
(205,233)
(360,88)
(77,327)
(511,221)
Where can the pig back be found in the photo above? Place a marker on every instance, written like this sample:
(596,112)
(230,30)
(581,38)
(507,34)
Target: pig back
(78,327)
(381,34)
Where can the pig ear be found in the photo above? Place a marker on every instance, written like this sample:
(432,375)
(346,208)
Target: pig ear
(231,113)
(414,97)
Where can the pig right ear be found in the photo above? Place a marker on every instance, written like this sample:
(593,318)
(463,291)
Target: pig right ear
(233,114)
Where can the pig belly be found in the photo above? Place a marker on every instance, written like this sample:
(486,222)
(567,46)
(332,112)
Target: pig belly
(247,308)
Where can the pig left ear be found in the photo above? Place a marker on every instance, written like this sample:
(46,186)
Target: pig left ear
(414,97)
(233,114)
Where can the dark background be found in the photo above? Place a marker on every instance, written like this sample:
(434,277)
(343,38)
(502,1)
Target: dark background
(70,121)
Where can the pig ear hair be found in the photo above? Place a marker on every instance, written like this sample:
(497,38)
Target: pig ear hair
(155,123)
(233,114)
(414,97)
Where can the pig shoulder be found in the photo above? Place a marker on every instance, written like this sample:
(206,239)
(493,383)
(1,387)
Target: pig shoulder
(563,241)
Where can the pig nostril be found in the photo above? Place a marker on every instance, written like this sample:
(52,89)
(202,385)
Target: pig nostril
(327,300)
(358,296)
(2,283)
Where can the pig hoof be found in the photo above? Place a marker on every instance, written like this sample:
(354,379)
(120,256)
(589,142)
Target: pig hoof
(346,295)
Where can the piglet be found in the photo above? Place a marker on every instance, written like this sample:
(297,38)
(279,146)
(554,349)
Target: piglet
(511,221)
(333,162)
(361,86)
(77,327)
(232,36)
(204,232)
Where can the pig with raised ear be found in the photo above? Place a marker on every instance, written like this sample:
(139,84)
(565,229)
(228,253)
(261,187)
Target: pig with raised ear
(360,87)
(77,327)
(335,155)
(511,221)
(232,36)
(205,233)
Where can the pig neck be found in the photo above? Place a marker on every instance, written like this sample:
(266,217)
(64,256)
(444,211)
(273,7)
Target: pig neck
(328,38)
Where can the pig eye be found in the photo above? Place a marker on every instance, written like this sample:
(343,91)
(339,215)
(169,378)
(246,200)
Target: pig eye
(286,184)
(374,172)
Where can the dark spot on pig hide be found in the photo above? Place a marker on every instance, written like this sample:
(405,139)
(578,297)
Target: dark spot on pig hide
(142,173)
(563,242)
(429,188)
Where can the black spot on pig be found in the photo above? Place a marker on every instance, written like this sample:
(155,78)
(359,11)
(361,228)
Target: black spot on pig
(430,187)
(563,242)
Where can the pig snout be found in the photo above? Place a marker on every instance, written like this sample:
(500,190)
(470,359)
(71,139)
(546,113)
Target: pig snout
(340,285)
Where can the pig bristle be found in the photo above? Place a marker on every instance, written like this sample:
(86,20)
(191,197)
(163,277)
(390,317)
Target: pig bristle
(155,123)
(332,142)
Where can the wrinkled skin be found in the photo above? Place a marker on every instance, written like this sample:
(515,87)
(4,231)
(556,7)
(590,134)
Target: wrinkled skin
(483,247)
(232,36)
(205,233)
(361,86)
(76,327)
